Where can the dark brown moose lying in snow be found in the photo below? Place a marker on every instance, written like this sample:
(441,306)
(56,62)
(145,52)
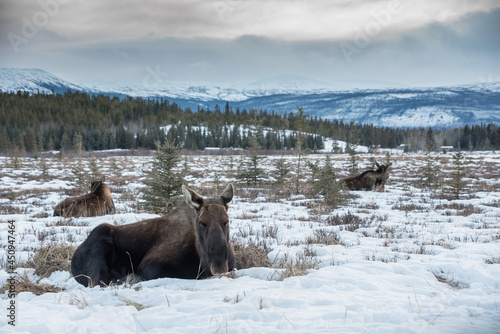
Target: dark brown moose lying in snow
(97,203)
(368,180)
(192,241)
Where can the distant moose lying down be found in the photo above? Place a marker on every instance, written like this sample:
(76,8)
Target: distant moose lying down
(368,180)
(190,242)
(97,203)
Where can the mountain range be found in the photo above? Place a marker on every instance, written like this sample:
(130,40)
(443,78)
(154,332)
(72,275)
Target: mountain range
(385,106)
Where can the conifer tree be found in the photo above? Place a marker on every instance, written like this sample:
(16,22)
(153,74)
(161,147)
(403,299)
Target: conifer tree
(15,161)
(353,161)
(115,169)
(429,178)
(325,183)
(430,142)
(44,168)
(301,118)
(217,183)
(281,171)
(165,179)
(351,149)
(80,181)
(387,158)
(94,168)
(249,171)
(457,183)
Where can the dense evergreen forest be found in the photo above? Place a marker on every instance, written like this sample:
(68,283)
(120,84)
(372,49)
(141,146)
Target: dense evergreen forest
(33,123)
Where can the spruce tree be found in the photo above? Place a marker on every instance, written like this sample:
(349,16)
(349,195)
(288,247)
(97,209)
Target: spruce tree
(15,161)
(353,160)
(429,178)
(165,179)
(430,142)
(325,183)
(249,170)
(80,181)
(43,167)
(94,168)
(115,169)
(353,140)
(281,172)
(301,118)
(457,183)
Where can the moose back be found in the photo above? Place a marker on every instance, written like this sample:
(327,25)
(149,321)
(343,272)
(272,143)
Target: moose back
(97,203)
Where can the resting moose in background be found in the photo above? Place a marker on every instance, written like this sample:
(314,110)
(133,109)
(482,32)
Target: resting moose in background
(97,203)
(190,242)
(368,180)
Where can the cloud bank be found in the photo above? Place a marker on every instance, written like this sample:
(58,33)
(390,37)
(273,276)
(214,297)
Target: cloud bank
(406,42)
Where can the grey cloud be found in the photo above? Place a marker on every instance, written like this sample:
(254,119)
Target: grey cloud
(444,52)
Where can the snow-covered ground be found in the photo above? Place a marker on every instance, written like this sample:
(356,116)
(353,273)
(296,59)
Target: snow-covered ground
(407,260)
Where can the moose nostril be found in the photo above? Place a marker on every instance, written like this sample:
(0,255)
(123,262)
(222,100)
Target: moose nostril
(219,268)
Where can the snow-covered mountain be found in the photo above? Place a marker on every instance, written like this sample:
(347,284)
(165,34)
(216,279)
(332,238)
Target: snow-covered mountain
(33,81)
(393,107)
(207,92)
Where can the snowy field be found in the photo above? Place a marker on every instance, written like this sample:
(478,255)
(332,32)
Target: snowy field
(407,260)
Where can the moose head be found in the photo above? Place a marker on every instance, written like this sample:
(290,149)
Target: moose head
(212,229)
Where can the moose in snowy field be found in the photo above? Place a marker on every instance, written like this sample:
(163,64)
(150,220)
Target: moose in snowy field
(368,180)
(192,241)
(97,203)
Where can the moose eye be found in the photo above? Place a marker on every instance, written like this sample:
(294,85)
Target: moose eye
(203,224)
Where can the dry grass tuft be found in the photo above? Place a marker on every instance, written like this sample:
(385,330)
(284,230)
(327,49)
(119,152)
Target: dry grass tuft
(461,209)
(50,258)
(323,237)
(24,284)
(300,266)
(493,260)
(250,255)
(455,285)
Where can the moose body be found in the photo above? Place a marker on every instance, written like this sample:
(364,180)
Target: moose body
(190,242)
(99,202)
(368,180)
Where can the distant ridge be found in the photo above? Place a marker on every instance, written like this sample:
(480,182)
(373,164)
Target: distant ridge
(390,107)
(33,80)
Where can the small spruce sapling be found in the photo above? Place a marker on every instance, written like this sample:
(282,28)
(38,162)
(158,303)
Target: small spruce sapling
(165,179)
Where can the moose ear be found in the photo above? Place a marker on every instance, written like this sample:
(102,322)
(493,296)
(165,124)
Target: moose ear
(192,199)
(103,178)
(227,194)
(377,164)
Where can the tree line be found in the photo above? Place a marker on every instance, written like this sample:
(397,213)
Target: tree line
(38,122)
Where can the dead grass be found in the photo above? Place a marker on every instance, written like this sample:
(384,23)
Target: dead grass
(495,204)
(250,255)
(299,266)
(6,209)
(455,285)
(461,209)
(323,237)
(129,302)
(409,207)
(345,219)
(347,222)
(24,284)
(493,260)
(49,259)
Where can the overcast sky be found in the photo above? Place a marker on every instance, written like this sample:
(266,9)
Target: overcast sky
(413,43)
